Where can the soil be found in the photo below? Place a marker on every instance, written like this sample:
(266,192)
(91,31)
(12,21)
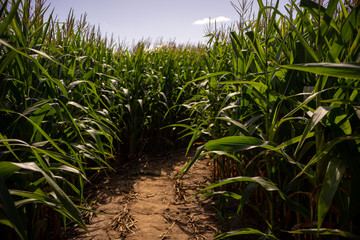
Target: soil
(146,200)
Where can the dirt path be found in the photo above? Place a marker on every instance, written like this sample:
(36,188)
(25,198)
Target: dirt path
(145,201)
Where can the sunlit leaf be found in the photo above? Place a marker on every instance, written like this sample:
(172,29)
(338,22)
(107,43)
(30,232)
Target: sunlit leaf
(341,70)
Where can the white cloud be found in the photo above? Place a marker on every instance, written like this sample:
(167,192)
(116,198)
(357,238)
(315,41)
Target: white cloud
(212,20)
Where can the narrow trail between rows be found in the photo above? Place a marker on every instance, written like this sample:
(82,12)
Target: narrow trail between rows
(146,201)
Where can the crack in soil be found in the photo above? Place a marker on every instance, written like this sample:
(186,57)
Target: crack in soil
(145,201)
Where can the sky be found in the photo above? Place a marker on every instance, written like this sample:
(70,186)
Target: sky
(183,21)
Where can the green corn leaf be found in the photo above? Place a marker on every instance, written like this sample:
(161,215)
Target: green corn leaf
(61,159)
(326,13)
(303,104)
(354,47)
(6,22)
(312,5)
(305,44)
(272,21)
(333,176)
(246,195)
(8,212)
(260,87)
(237,143)
(198,154)
(38,128)
(328,20)
(96,136)
(69,207)
(325,150)
(74,124)
(241,126)
(221,153)
(306,20)
(350,25)
(7,60)
(43,54)
(43,70)
(255,44)
(37,108)
(223,193)
(5,142)
(317,116)
(338,118)
(267,184)
(209,76)
(294,140)
(73,187)
(341,70)
(326,232)
(245,231)
(18,33)
(236,44)
(7,169)
(38,116)
(32,197)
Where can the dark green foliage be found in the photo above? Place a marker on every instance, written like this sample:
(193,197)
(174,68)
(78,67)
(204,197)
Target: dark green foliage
(276,104)
(287,114)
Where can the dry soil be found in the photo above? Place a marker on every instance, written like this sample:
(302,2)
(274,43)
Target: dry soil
(145,200)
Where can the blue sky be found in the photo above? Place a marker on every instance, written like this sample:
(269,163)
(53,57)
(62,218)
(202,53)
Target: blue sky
(133,20)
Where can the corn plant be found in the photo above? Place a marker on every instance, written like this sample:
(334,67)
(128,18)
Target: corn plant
(73,102)
(277,99)
(293,132)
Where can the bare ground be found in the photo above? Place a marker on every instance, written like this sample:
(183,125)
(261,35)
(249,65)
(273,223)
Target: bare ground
(146,201)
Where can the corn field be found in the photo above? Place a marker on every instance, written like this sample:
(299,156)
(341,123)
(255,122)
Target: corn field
(274,102)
